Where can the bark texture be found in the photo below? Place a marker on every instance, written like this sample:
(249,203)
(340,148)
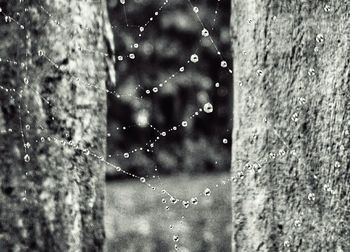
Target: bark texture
(63,52)
(291,154)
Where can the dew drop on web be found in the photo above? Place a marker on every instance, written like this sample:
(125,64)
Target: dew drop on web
(208,108)
(26,158)
(205,33)
(194,58)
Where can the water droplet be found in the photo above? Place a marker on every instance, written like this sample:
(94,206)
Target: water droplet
(225,141)
(184,124)
(27,127)
(241,174)
(173,200)
(319,38)
(257,167)
(327,8)
(311,196)
(195,9)
(205,32)
(259,72)
(194,58)
(295,117)
(126,155)
(26,158)
(311,72)
(337,164)
(143,180)
(208,108)
(176,238)
(207,192)
(223,64)
(194,200)
(40,53)
(185,203)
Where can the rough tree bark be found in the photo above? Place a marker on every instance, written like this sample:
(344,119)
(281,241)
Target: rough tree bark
(291,152)
(54,201)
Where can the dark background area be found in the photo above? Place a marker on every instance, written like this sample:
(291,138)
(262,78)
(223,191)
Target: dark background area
(197,157)
(166,44)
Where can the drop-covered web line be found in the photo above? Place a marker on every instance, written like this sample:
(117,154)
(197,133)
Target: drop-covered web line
(245,166)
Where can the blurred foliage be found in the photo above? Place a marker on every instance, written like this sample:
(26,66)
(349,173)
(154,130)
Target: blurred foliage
(136,219)
(166,44)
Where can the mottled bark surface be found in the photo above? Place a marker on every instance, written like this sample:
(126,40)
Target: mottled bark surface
(291,125)
(54,202)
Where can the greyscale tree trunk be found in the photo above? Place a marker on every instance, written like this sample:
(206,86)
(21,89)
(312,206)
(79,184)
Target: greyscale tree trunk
(56,61)
(291,154)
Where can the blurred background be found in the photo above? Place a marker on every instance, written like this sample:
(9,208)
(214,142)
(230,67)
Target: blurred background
(153,40)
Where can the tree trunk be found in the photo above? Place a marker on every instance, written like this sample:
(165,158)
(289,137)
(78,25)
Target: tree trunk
(291,154)
(53,90)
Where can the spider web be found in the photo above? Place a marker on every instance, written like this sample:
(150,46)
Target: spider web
(141,93)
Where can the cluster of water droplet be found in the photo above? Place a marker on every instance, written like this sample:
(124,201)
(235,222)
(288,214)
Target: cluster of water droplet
(26,129)
(207,108)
